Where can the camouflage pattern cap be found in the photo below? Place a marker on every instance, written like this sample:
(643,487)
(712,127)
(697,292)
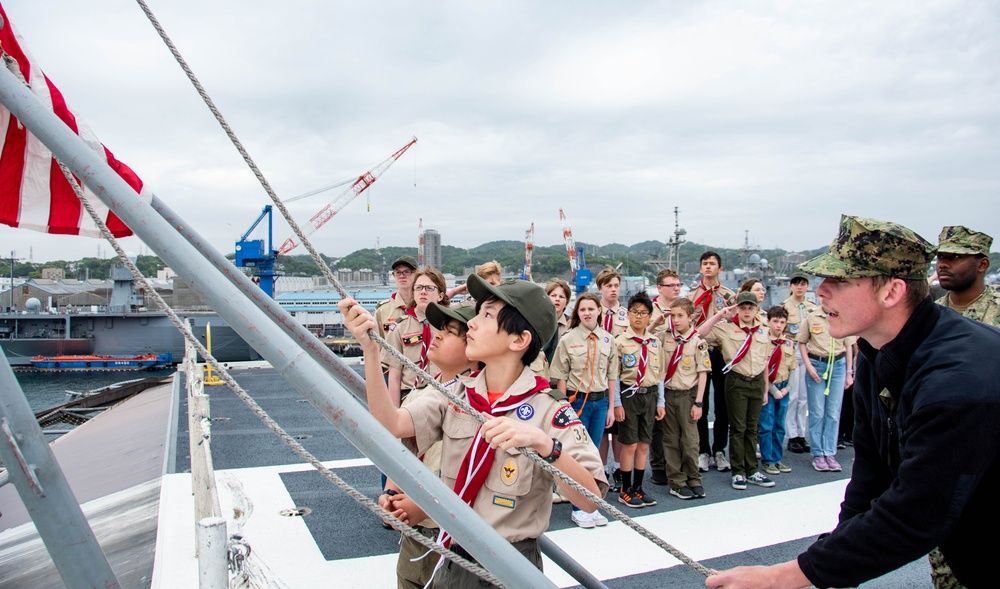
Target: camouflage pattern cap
(956,239)
(439,316)
(869,247)
(527,297)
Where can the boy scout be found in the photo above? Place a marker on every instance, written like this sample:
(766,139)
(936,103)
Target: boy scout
(780,364)
(963,258)
(744,346)
(797,416)
(614,317)
(507,490)
(639,400)
(668,288)
(685,379)
(708,298)
(393,308)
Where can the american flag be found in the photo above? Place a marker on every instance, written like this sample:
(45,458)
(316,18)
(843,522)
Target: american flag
(34,194)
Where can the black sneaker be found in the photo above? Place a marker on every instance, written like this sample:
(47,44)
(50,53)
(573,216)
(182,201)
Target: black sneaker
(795,446)
(659,477)
(630,499)
(840,443)
(647,500)
(616,485)
(682,493)
(698,490)
(805,445)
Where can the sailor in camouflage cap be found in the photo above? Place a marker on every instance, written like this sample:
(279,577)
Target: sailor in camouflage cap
(962,262)
(956,239)
(869,247)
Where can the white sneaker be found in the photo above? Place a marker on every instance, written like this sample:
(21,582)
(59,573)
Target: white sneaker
(583,519)
(721,462)
(703,462)
(598,519)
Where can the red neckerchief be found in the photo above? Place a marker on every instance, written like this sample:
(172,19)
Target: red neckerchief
(775,359)
(424,343)
(641,371)
(609,320)
(745,347)
(705,300)
(675,359)
(479,459)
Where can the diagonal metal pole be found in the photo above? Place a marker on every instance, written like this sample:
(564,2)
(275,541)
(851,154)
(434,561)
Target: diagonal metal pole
(295,365)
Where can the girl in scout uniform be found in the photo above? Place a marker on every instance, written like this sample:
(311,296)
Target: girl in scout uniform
(412,334)
(585,368)
(752,285)
(830,369)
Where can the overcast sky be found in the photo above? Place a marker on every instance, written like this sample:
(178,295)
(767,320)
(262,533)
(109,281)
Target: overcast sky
(770,116)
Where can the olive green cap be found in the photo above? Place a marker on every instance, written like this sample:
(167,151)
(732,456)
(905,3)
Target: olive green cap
(956,239)
(869,247)
(407,260)
(797,274)
(747,297)
(528,298)
(438,315)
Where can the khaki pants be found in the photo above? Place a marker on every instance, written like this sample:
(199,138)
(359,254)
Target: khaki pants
(452,576)
(415,574)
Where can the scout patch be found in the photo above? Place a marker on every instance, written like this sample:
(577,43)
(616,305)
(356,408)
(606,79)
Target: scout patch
(508,473)
(720,302)
(507,502)
(411,339)
(788,343)
(702,346)
(525,412)
(793,328)
(621,314)
(708,362)
(687,360)
(607,340)
(629,361)
(816,328)
(565,417)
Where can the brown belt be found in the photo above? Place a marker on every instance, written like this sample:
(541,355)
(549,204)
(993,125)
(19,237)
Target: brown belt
(825,358)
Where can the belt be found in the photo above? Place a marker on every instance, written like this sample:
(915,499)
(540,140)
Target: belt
(746,378)
(651,389)
(593,396)
(825,358)
(520,545)
(426,532)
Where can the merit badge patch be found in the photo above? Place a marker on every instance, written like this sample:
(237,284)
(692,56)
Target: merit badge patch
(411,339)
(525,412)
(508,472)
(793,328)
(565,417)
(816,328)
(719,301)
(507,502)
(629,361)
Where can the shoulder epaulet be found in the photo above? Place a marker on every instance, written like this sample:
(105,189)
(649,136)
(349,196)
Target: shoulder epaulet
(383,302)
(555,394)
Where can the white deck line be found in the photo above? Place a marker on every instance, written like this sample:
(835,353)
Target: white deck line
(287,548)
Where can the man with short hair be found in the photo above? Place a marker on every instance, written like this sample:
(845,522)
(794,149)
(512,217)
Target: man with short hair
(962,261)
(927,403)
(394,307)
(797,417)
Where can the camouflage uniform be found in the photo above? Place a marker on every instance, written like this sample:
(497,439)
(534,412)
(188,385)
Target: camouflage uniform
(962,241)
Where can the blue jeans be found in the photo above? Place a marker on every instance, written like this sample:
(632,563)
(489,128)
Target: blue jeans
(824,410)
(771,427)
(593,417)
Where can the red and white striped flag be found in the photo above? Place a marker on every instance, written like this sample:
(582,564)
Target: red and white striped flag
(34,194)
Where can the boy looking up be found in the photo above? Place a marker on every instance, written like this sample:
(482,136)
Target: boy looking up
(394,307)
(640,399)
(780,362)
(506,488)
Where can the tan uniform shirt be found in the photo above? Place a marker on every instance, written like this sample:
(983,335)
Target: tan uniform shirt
(586,365)
(731,337)
(657,311)
(406,335)
(516,499)
(388,312)
(816,335)
(619,322)
(788,356)
(797,313)
(694,359)
(723,298)
(629,354)
(985,309)
(431,457)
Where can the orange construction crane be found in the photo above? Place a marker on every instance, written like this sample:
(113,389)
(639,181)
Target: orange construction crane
(570,244)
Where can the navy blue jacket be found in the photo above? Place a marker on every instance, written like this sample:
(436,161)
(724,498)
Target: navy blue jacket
(927,456)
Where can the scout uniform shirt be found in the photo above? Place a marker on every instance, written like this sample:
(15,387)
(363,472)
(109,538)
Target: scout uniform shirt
(723,297)
(618,321)
(694,359)
(586,360)
(797,313)
(985,309)
(657,311)
(815,333)
(788,360)
(407,335)
(389,311)
(731,337)
(629,355)
(516,499)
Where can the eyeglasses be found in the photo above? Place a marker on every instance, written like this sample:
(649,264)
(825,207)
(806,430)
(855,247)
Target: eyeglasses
(640,313)
(675,285)
(402,273)
(425,288)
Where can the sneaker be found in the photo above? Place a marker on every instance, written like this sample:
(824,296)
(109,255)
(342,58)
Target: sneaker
(647,500)
(629,499)
(740,482)
(616,487)
(703,462)
(760,480)
(819,463)
(583,519)
(598,519)
(832,464)
(805,445)
(771,469)
(840,443)
(721,462)
(659,477)
(795,446)
(682,493)
(698,490)
(783,468)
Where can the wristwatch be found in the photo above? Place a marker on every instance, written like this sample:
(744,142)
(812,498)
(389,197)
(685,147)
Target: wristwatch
(556,451)
(697,404)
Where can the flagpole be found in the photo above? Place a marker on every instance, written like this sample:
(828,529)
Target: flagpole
(323,390)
